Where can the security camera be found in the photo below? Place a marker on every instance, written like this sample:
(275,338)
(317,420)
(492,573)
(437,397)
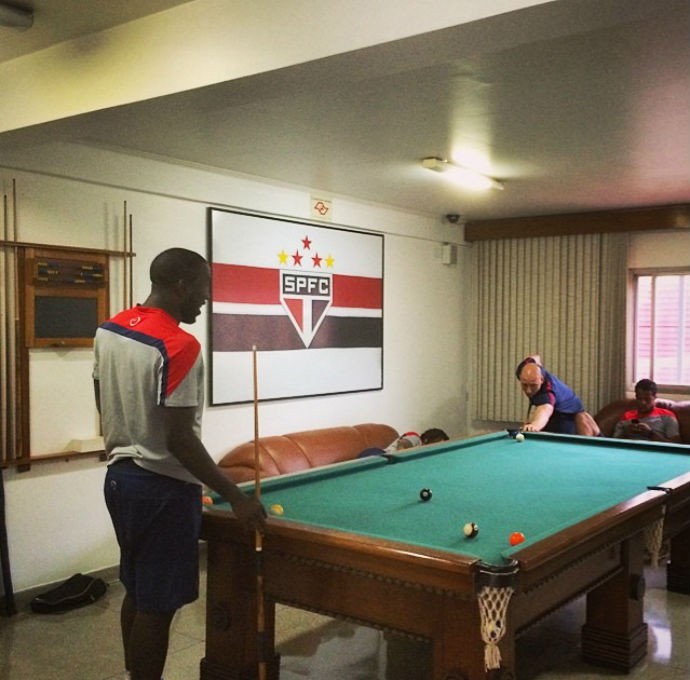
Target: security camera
(453,218)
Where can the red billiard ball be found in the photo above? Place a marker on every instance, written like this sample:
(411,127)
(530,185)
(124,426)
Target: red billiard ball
(516,538)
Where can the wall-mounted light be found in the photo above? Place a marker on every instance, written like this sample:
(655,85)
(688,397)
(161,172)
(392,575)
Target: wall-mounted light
(15,17)
(463,176)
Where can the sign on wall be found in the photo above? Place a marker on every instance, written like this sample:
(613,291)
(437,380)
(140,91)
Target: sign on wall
(308,297)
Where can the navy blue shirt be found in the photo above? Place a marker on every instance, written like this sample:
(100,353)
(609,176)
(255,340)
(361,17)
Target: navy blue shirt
(564,401)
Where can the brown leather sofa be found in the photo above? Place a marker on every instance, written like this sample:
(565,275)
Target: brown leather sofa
(303,450)
(608,416)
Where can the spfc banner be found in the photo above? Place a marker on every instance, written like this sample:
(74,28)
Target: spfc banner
(308,297)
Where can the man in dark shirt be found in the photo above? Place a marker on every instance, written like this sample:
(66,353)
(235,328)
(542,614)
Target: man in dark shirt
(556,406)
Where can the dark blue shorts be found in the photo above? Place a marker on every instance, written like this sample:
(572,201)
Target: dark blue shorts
(157,520)
(561,423)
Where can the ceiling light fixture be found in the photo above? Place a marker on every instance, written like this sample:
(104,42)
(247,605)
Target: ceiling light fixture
(15,17)
(461,175)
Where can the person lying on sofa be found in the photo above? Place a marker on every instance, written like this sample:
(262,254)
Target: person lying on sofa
(433,435)
(404,441)
(408,441)
(648,421)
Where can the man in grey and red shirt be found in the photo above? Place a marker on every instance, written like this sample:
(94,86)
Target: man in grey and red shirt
(648,421)
(149,385)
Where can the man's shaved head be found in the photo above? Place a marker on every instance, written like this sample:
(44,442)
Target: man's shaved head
(531,378)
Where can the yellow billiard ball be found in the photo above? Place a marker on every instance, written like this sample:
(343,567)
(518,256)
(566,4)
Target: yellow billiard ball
(277,509)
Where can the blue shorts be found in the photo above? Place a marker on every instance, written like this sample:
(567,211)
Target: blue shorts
(561,423)
(157,520)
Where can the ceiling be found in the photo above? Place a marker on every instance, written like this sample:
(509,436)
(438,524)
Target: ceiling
(575,105)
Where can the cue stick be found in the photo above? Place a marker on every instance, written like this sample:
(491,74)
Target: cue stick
(131,268)
(8,391)
(19,409)
(4,339)
(258,538)
(124,256)
(529,408)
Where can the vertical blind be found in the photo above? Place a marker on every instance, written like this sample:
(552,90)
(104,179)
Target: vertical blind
(562,297)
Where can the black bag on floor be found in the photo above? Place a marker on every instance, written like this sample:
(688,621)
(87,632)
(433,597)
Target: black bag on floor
(76,591)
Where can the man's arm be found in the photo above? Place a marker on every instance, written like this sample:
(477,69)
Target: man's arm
(658,437)
(645,430)
(97,394)
(671,431)
(619,431)
(540,416)
(186,446)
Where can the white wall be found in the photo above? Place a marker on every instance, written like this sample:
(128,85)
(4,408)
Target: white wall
(659,249)
(72,195)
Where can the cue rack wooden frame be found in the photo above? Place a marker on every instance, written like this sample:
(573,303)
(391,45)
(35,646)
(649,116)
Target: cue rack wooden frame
(58,279)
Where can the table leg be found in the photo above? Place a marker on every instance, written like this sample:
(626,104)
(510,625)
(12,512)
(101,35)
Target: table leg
(678,568)
(233,646)
(615,634)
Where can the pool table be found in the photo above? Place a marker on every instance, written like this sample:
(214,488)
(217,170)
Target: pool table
(356,540)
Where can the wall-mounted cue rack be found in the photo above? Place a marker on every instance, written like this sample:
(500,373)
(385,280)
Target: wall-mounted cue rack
(51,297)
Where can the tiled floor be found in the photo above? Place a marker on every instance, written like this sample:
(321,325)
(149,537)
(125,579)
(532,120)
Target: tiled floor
(85,645)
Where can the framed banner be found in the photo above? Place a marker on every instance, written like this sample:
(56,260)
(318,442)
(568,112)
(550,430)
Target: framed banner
(308,297)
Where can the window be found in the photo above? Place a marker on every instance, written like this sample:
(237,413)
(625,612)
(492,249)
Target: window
(661,336)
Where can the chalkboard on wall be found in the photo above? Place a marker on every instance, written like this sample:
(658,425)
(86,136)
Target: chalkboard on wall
(66,296)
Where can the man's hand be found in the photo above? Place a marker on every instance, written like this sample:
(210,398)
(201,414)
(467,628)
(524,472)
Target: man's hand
(641,429)
(250,512)
(186,446)
(540,417)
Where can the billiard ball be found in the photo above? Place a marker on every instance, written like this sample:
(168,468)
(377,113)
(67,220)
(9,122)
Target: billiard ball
(425,494)
(470,529)
(516,538)
(277,509)
(206,500)
(520,437)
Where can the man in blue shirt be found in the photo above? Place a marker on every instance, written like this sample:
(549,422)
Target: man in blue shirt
(556,406)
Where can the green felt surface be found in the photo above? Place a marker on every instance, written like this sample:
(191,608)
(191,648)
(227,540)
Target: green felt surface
(537,487)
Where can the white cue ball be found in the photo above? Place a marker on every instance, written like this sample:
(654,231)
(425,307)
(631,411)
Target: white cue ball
(470,529)
(520,437)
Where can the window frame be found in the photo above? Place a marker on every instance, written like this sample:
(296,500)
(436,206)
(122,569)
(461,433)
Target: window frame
(634,274)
